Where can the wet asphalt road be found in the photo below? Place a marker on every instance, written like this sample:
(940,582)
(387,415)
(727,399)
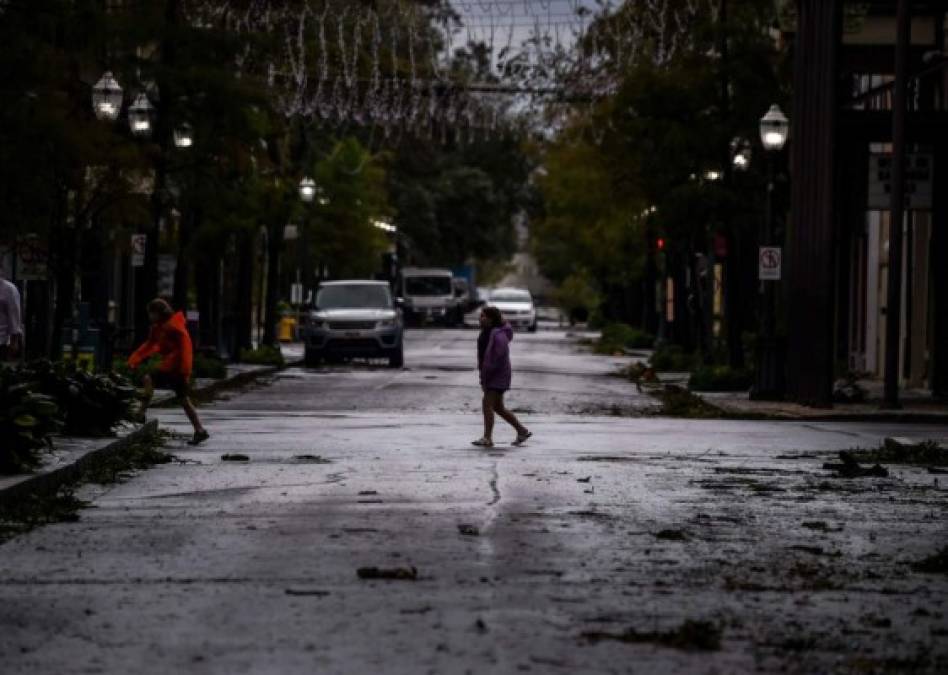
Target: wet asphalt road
(611,523)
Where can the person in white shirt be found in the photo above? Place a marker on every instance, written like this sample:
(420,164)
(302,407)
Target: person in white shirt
(11,325)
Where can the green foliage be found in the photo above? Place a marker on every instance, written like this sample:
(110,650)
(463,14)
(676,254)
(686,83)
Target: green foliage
(91,404)
(134,375)
(577,294)
(678,402)
(455,202)
(720,378)
(629,168)
(27,419)
(338,234)
(619,336)
(262,356)
(672,358)
(209,366)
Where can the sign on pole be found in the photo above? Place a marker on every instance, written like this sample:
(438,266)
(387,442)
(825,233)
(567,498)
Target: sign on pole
(139,242)
(918,181)
(771,263)
(296,294)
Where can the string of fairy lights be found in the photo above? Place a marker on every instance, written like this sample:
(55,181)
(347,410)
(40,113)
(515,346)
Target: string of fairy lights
(459,67)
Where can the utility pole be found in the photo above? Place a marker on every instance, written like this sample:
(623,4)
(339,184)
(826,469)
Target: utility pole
(893,320)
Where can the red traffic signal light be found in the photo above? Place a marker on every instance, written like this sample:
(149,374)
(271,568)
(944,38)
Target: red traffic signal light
(660,244)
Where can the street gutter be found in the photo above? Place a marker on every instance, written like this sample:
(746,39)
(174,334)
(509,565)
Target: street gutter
(207,392)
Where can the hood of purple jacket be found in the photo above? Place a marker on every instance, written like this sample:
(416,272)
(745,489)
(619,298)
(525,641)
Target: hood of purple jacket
(506,330)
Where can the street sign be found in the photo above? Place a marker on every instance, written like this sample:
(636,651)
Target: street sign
(296,294)
(139,242)
(918,181)
(24,259)
(771,263)
(167,264)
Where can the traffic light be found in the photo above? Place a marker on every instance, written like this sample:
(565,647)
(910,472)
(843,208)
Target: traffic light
(660,244)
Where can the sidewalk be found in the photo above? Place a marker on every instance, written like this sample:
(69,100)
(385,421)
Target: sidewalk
(71,455)
(916,407)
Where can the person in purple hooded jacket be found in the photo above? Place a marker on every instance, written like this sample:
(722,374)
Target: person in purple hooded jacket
(493,362)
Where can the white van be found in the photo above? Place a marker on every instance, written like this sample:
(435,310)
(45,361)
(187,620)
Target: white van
(428,296)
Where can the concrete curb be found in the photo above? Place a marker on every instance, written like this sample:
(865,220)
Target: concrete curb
(729,411)
(50,483)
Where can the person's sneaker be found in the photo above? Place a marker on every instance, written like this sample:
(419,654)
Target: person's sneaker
(199,437)
(483,443)
(522,438)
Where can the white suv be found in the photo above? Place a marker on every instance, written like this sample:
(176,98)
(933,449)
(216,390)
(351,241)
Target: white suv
(354,319)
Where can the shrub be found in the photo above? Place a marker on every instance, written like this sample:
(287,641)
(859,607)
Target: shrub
(619,336)
(720,378)
(672,358)
(121,369)
(91,404)
(678,402)
(578,298)
(209,366)
(262,356)
(27,420)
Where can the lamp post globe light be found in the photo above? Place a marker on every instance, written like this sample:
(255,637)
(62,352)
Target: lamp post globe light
(184,136)
(107,98)
(307,189)
(774,129)
(139,116)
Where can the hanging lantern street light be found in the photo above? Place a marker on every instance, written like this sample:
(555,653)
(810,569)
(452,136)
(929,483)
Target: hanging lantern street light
(139,116)
(184,136)
(774,129)
(307,189)
(107,98)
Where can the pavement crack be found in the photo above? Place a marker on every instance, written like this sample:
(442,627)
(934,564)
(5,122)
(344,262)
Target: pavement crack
(493,485)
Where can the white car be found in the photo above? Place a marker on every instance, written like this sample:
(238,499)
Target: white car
(517,306)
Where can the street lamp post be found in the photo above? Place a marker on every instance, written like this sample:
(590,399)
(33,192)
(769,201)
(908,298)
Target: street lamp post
(774,131)
(307,189)
(140,116)
(184,136)
(107,98)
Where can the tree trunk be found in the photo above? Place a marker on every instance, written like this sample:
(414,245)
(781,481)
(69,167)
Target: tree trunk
(243,306)
(64,242)
(190,223)
(732,305)
(270,318)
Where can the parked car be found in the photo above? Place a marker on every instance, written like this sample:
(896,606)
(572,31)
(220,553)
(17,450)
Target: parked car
(472,316)
(429,297)
(354,319)
(517,306)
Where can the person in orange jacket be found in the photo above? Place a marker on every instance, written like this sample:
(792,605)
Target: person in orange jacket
(169,338)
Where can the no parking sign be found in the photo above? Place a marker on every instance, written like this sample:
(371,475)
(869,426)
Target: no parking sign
(771,263)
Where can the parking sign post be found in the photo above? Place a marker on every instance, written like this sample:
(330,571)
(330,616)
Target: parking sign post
(770,266)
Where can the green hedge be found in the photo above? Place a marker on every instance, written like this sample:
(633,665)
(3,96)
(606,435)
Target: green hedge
(720,378)
(672,358)
(209,366)
(262,356)
(619,336)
